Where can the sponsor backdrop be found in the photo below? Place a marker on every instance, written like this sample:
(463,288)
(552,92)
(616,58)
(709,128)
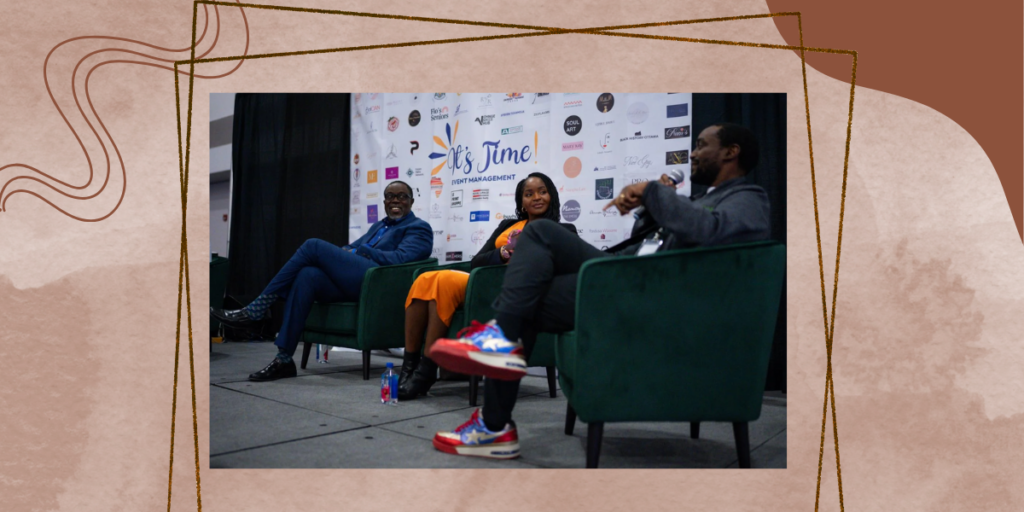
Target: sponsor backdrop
(464,153)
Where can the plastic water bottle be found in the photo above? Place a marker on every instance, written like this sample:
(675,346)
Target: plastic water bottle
(389,386)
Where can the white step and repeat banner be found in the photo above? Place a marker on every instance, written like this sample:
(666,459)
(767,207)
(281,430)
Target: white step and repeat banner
(464,153)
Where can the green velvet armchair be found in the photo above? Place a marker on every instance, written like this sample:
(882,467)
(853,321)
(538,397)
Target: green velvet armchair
(484,286)
(680,335)
(376,322)
(218,285)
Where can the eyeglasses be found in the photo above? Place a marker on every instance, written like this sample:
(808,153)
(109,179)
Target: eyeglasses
(388,196)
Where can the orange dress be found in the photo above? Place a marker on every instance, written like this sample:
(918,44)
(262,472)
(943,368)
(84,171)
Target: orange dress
(448,287)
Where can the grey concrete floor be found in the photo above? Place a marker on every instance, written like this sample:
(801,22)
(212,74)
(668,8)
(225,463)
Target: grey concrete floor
(329,417)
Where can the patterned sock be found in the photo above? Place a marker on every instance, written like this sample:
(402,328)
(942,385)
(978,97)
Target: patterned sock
(283,357)
(258,307)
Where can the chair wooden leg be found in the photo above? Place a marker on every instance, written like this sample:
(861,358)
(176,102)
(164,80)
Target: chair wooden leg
(570,420)
(594,432)
(366,365)
(552,382)
(694,429)
(474,389)
(742,434)
(306,346)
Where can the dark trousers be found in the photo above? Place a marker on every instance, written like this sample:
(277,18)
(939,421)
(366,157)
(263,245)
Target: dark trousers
(539,291)
(318,271)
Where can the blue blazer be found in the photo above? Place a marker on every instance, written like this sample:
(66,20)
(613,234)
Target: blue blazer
(410,239)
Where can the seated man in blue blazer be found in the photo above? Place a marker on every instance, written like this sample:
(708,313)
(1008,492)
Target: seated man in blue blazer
(320,271)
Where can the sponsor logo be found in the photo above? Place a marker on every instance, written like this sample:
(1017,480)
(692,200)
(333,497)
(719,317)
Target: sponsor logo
(453,256)
(415,145)
(680,110)
(605,123)
(355,159)
(502,216)
(513,97)
(359,97)
(604,144)
(639,162)
(452,236)
(572,125)
(357,116)
(371,214)
(484,120)
(435,211)
(572,104)
(435,252)
(507,194)
(677,157)
(437,114)
(410,172)
(541,113)
(479,237)
(571,190)
(481,194)
(605,168)
(372,195)
(512,129)
(480,216)
(538,96)
(571,210)
(374,95)
(372,109)
(391,173)
(602,231)
(355,197)
(632,179)
(456,199)
(514,113)
(394,102)
(456,218)
(485,101)
(392,153)
(392,123)
(611,212)
(436,186)
(459,111)
(572,146)
(439,95)
(572,167)
(604,188)
(677,132)
(414,118)
(438,232)
(605,102)
(637,113)
(371,176)
(417,191)
(638,135)
(371,129)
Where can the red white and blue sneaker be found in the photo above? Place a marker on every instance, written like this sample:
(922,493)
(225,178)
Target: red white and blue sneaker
(473,438)
(481,349)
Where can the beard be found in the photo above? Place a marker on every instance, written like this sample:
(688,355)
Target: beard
(703,175)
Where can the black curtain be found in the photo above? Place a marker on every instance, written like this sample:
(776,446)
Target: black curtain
(765,115)
(290,182)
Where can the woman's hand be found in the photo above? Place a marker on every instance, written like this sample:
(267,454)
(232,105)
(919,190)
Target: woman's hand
(506,253)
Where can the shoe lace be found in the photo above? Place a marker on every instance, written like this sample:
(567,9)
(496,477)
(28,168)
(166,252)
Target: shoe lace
(472,421)
(474,327)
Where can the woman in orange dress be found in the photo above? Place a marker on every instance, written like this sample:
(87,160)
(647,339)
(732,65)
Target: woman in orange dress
(435,296)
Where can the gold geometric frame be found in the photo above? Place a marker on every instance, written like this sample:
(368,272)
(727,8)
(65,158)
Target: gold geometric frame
(183,170)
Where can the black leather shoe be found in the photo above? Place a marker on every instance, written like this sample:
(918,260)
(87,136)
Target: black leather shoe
(409,363)
(421,380)
(237,318)
(275,370)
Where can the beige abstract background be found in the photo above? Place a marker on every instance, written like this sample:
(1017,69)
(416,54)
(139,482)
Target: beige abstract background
(927,327)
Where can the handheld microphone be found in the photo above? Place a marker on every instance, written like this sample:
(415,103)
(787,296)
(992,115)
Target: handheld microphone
(676,175)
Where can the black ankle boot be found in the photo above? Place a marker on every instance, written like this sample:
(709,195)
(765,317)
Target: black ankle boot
(409,363)
(421,380)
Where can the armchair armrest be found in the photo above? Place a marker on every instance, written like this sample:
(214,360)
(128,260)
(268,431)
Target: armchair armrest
(382,303)
(687,327)
(484,286)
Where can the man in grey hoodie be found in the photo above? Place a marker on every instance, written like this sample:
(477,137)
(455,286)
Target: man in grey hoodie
(539,290)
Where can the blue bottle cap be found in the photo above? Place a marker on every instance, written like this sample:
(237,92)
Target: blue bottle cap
(390,365)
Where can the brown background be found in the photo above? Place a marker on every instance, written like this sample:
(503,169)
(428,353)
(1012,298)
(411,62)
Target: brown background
(927,354)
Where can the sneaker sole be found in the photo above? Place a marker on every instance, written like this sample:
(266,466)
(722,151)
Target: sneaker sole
(501,367)
(491,451)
